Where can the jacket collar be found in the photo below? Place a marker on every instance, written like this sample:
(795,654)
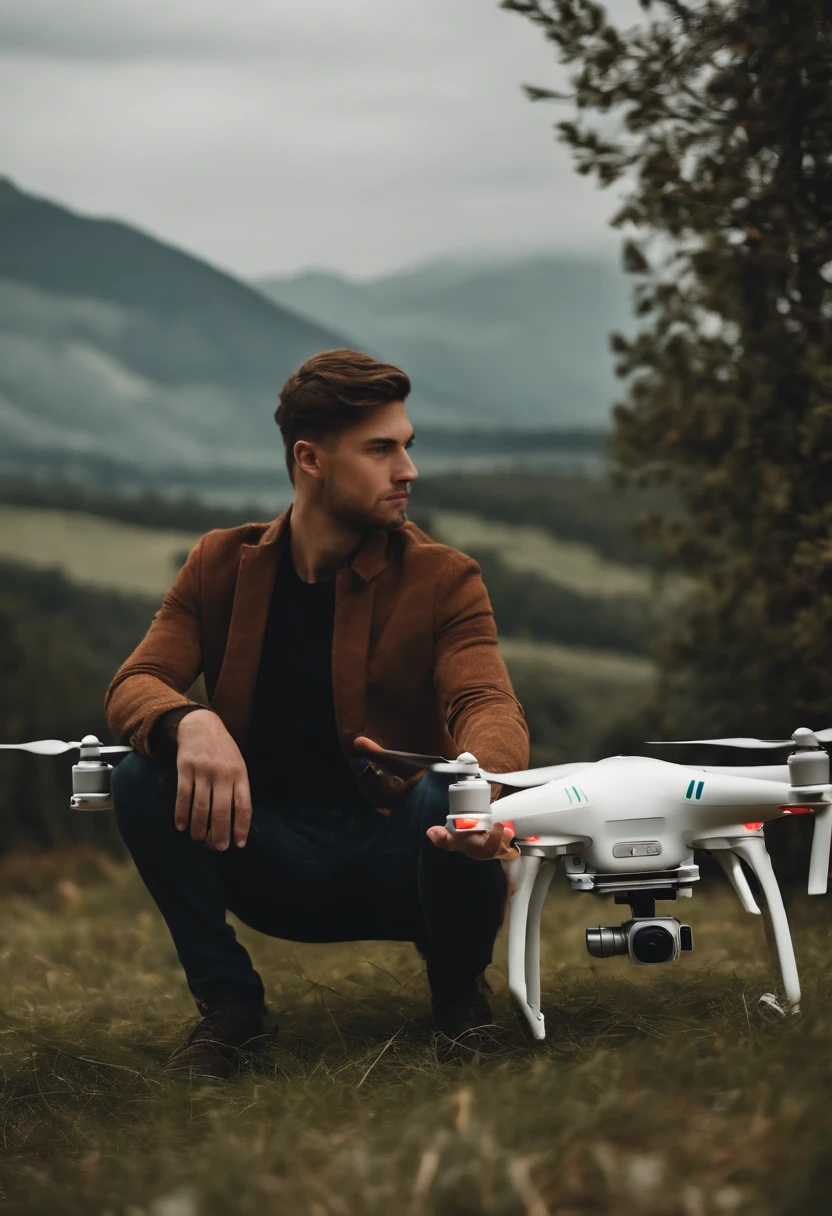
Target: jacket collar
(371,556)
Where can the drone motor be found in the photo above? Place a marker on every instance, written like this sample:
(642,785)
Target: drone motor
(91,789)
(91,786)
(469,801)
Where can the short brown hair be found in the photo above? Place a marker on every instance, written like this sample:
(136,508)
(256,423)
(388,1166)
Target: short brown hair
(326,393)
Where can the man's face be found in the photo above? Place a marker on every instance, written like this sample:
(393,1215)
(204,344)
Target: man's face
(366,474)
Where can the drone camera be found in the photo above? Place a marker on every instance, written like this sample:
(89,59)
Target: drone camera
(646,940)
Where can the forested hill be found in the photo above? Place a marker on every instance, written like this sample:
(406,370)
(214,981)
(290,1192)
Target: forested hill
(114,342)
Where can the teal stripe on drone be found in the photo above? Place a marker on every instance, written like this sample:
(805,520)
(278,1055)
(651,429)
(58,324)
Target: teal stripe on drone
(577,795)
(699,789)
(568,795)
(689,794)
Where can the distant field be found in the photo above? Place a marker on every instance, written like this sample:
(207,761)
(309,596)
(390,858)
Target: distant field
(125,557)
(95,552)
(660,1091)
(576,663)
(530,550)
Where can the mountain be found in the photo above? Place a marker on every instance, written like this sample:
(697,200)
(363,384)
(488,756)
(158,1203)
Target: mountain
(121,355)
(114,344)
(522,340)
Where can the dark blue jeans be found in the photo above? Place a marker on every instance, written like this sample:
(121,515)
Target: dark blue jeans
(309,876)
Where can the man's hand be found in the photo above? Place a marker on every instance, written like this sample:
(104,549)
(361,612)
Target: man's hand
(388,774)
(212,782)
(369,749)
(481,846)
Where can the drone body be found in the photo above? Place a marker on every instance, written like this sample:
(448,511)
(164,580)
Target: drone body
(632,813)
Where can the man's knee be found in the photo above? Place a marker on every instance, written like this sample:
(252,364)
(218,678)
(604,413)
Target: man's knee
(143,793)
(433,801)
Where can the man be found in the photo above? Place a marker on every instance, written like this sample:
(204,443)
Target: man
(334,631)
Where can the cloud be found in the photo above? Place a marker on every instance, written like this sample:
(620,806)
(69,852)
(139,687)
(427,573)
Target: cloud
(256,29)
(268,136)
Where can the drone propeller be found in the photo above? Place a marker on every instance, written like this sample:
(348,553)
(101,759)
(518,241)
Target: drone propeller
(466,764)
(41,747)
(801,738)
(528,778)
(56,747)
(437,764)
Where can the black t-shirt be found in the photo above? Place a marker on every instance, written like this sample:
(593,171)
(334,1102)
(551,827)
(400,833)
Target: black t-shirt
(293,753)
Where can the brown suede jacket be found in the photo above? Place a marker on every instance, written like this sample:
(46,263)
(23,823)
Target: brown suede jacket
(415,664)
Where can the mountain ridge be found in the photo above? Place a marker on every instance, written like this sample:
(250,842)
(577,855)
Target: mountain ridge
(526,338)
(117,346)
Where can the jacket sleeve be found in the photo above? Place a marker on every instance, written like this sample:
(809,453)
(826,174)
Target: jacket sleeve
(482,714)
(163,666)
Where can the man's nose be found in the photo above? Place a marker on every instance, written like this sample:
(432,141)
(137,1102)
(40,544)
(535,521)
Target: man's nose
(407,471)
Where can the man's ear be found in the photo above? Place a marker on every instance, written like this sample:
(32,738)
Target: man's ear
(307,457)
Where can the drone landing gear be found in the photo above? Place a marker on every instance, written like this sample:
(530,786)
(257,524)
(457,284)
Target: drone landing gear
(753,852)
(535,875)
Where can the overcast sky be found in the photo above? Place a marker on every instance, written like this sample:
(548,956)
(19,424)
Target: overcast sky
(268,136)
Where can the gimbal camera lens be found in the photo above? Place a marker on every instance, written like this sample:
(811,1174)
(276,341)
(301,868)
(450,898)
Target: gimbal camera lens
(604,942)
(653,944)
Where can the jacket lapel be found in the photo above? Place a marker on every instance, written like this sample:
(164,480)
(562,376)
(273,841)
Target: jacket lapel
(234,694)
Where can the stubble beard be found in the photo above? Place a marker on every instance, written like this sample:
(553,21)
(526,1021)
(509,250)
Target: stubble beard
(359,519)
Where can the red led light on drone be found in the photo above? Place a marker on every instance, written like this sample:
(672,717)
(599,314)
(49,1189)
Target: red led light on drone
(752,827)
(797,810)
(466,823)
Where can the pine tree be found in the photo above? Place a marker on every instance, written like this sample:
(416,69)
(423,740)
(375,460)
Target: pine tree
(716,118)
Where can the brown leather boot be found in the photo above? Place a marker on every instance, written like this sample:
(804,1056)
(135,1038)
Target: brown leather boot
(218,1045)
(464,1020)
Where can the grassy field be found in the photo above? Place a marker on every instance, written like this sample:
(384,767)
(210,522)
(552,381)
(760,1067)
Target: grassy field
(658,1092)
(574,663)
(128,557)
(530,550)
(94,552)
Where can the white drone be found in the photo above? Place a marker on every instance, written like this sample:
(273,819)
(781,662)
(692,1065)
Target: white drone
(627,826)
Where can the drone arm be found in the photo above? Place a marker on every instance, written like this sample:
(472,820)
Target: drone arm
(753,851)
(542,882)
(527,870)
(482,714)
(164,665)
(730,863)
(819,857)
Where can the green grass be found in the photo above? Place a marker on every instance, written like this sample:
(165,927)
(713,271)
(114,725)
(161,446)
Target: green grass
(658,1092)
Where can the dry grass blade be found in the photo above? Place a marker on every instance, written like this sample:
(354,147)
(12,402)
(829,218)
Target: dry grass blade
(392,1039)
